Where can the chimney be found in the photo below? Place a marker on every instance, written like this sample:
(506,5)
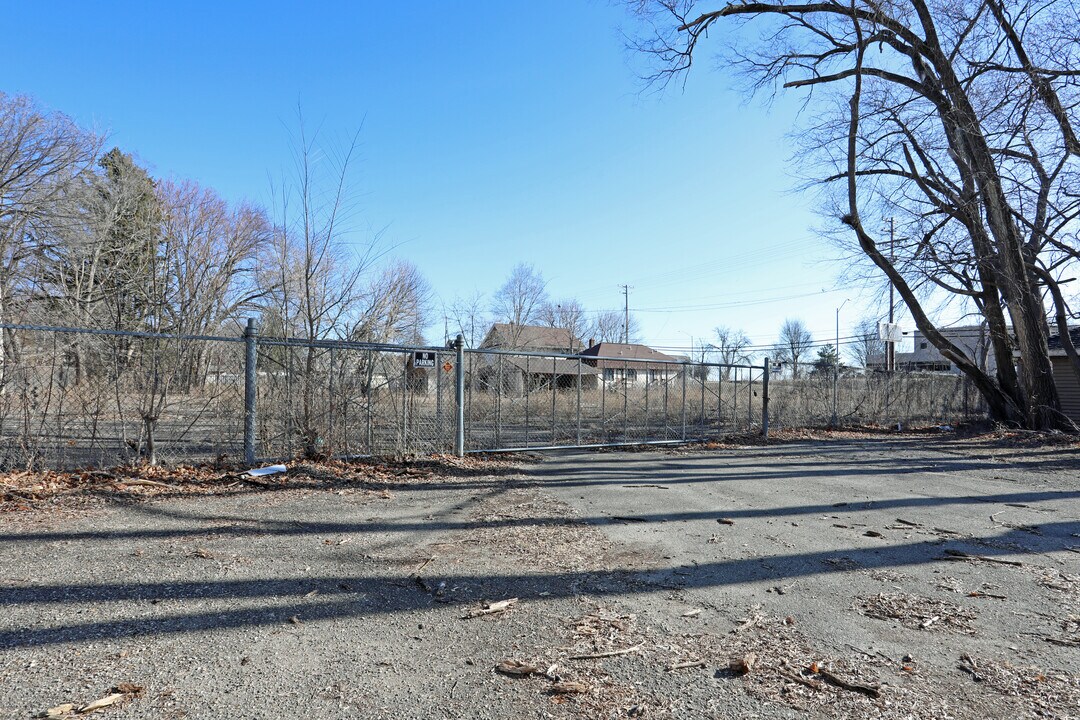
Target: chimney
(591,343)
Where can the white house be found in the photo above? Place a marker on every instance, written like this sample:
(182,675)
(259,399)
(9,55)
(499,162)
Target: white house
(632,364)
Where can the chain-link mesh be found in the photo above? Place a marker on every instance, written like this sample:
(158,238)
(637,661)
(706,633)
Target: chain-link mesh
(343,400)
(93,398)
(534,400)
(877,398)
(79,400)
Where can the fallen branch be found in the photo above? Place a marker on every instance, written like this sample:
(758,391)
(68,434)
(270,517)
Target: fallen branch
(686,664)
(867,690)
(516,668)
(981,594)
(144,483)
(16,493)
(1062,641)
(960,555)
(609,653)
(801,680)
(491,608)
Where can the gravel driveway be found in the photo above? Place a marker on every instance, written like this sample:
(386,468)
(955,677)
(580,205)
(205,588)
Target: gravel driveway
(873,577)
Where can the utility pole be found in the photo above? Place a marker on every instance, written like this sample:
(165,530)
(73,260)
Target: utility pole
(626,313)
(836,369)
(890,347)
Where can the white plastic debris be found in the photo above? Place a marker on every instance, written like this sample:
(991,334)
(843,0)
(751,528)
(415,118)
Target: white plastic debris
(268,470)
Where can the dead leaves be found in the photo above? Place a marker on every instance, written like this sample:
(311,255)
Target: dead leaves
(29,490)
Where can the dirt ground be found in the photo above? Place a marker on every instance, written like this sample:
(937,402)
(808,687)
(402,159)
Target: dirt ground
(854,576)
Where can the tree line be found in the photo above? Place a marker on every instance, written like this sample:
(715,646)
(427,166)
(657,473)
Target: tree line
(90,239)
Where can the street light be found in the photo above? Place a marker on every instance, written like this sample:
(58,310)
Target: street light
(836,366)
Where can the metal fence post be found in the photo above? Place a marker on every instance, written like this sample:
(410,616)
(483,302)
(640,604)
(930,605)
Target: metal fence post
(750,401)
(405,407)
(685,372)
(527,390)
(439,437)
(646,436)
(251,341)
(554,377)
(704,381)
(765,401)
(459,396)
(579,401)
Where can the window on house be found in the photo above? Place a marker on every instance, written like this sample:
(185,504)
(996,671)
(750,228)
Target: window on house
(609,373)
(922,345)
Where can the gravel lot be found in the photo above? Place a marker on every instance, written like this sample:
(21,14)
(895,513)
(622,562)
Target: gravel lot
(938,574)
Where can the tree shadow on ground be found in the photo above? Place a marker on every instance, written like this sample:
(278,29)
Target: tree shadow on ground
(355,596)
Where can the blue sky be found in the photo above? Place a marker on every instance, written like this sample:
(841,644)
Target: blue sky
(492,133)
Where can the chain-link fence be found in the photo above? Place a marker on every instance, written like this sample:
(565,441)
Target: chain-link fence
(907,399)
(79,398)
(76,398)
(534,400)
(88,398)
(350,399)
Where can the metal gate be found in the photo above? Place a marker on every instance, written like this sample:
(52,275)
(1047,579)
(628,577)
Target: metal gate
(528,400)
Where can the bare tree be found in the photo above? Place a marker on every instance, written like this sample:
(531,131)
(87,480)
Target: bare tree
(311,273)
(794,343)
(42,156)
(520,299)
(610,326)
(731,347)
(868,344)
(569,315)
(470,318)
(210,255)
(397,306)
(959,120)
(212,260)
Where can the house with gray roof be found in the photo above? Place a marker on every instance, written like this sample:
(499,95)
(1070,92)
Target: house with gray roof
(533,357)
(632,363)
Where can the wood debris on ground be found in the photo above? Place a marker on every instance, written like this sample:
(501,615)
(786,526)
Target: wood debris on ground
(120,693)
(516,668)
(1052,694)
(491,608)
(920,613)
(742,664)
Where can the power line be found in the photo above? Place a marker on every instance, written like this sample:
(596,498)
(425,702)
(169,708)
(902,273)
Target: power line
(844,341)
(721,306)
